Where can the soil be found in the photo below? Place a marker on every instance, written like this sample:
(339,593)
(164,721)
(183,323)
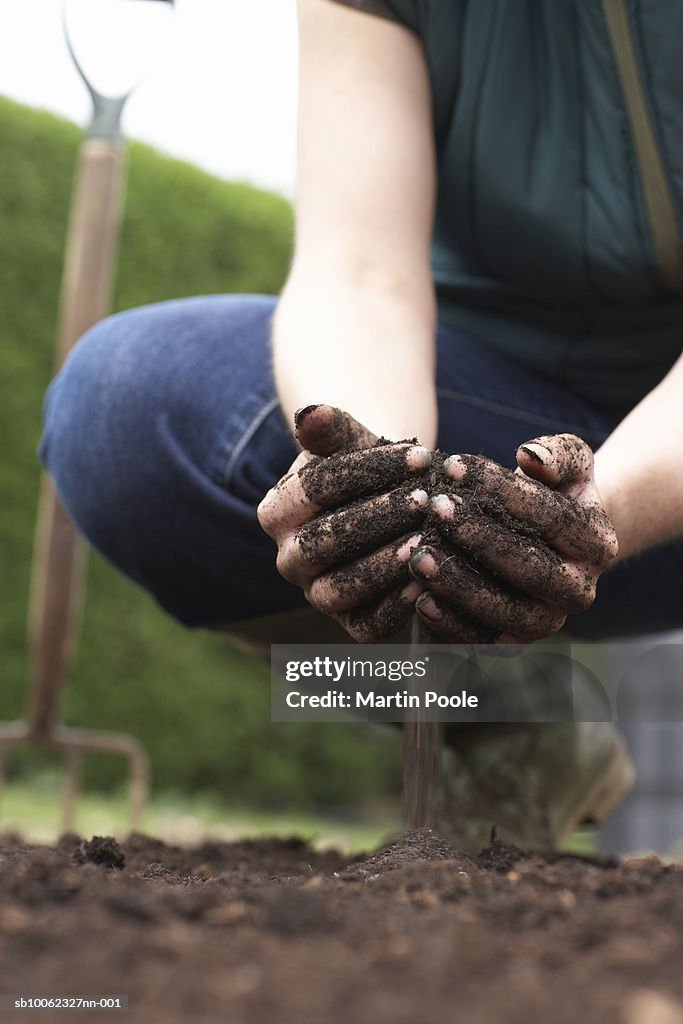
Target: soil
(382,620)
(480,505)
(360,527)
(355,474)
(271,932)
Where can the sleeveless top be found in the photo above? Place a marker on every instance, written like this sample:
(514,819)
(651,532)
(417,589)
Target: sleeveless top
(559,217)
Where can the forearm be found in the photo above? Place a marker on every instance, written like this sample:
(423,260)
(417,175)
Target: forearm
(639,469)
(367,348)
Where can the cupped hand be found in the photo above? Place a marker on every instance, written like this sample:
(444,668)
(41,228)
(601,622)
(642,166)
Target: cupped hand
(508,555)
(346,518)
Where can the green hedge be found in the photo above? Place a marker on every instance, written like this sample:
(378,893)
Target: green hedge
(200,708)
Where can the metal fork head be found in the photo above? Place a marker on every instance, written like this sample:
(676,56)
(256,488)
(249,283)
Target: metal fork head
(74,744)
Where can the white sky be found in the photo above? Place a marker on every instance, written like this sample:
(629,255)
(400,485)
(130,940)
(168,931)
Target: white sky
(221,94)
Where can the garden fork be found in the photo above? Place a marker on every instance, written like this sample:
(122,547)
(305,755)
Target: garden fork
(59,555)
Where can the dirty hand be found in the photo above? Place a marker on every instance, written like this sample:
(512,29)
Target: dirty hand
(510,555)
(346,518)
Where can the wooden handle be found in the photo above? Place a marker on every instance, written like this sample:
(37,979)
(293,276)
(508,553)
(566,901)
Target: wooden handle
(91,242)
(59,557)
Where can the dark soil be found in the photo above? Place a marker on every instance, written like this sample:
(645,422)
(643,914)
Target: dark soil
(333,480)
(382,620)
(272,933)
(361,526)
(479,504)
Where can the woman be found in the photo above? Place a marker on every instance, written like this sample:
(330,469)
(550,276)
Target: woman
(536,150)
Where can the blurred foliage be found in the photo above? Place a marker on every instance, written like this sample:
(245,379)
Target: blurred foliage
(200,708)
(32,807)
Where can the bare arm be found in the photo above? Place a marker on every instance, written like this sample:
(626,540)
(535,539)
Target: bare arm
(585,517)
(355,326)
(356,322)
(639,469)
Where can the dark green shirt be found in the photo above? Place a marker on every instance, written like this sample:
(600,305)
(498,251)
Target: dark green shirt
(559,130)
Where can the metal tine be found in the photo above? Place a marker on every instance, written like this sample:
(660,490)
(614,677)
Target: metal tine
(75,743)
(58,561)
(3,776)
(73,763)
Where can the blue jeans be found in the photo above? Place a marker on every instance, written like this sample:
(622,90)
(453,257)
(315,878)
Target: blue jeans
(163,432)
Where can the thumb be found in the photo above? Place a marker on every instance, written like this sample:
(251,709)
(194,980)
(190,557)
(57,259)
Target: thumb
(562,461)
(324,430)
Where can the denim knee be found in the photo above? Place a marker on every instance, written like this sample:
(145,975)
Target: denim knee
(100,435)
(162,433)
(125,467)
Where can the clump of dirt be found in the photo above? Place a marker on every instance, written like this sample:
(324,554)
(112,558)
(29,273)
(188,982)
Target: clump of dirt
(500,856)
(382,441)
(274,931)
(101,850)
(421,844)
(439,481)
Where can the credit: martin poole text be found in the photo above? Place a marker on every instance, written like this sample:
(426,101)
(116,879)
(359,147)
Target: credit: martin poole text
(363,685)
(370,699)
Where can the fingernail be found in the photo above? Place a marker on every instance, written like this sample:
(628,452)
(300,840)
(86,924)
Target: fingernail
(445,505)
(427,607)
(419,497)
(411,591)
(406,550)
(455,467)
(301,413)
(423,562)
(537,452)
(418,457)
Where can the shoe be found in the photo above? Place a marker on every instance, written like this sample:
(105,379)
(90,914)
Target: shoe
(531,785)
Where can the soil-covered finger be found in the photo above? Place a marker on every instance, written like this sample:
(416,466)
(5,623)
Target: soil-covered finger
(324,429)
(557,459)
(576,530)
(532,567)
(359,528)
(450,624)
(382,619)
(365,579)
(286,506)
(468,587)
(336,480)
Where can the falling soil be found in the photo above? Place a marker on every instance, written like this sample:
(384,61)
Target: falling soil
(422,755)
(274,932)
